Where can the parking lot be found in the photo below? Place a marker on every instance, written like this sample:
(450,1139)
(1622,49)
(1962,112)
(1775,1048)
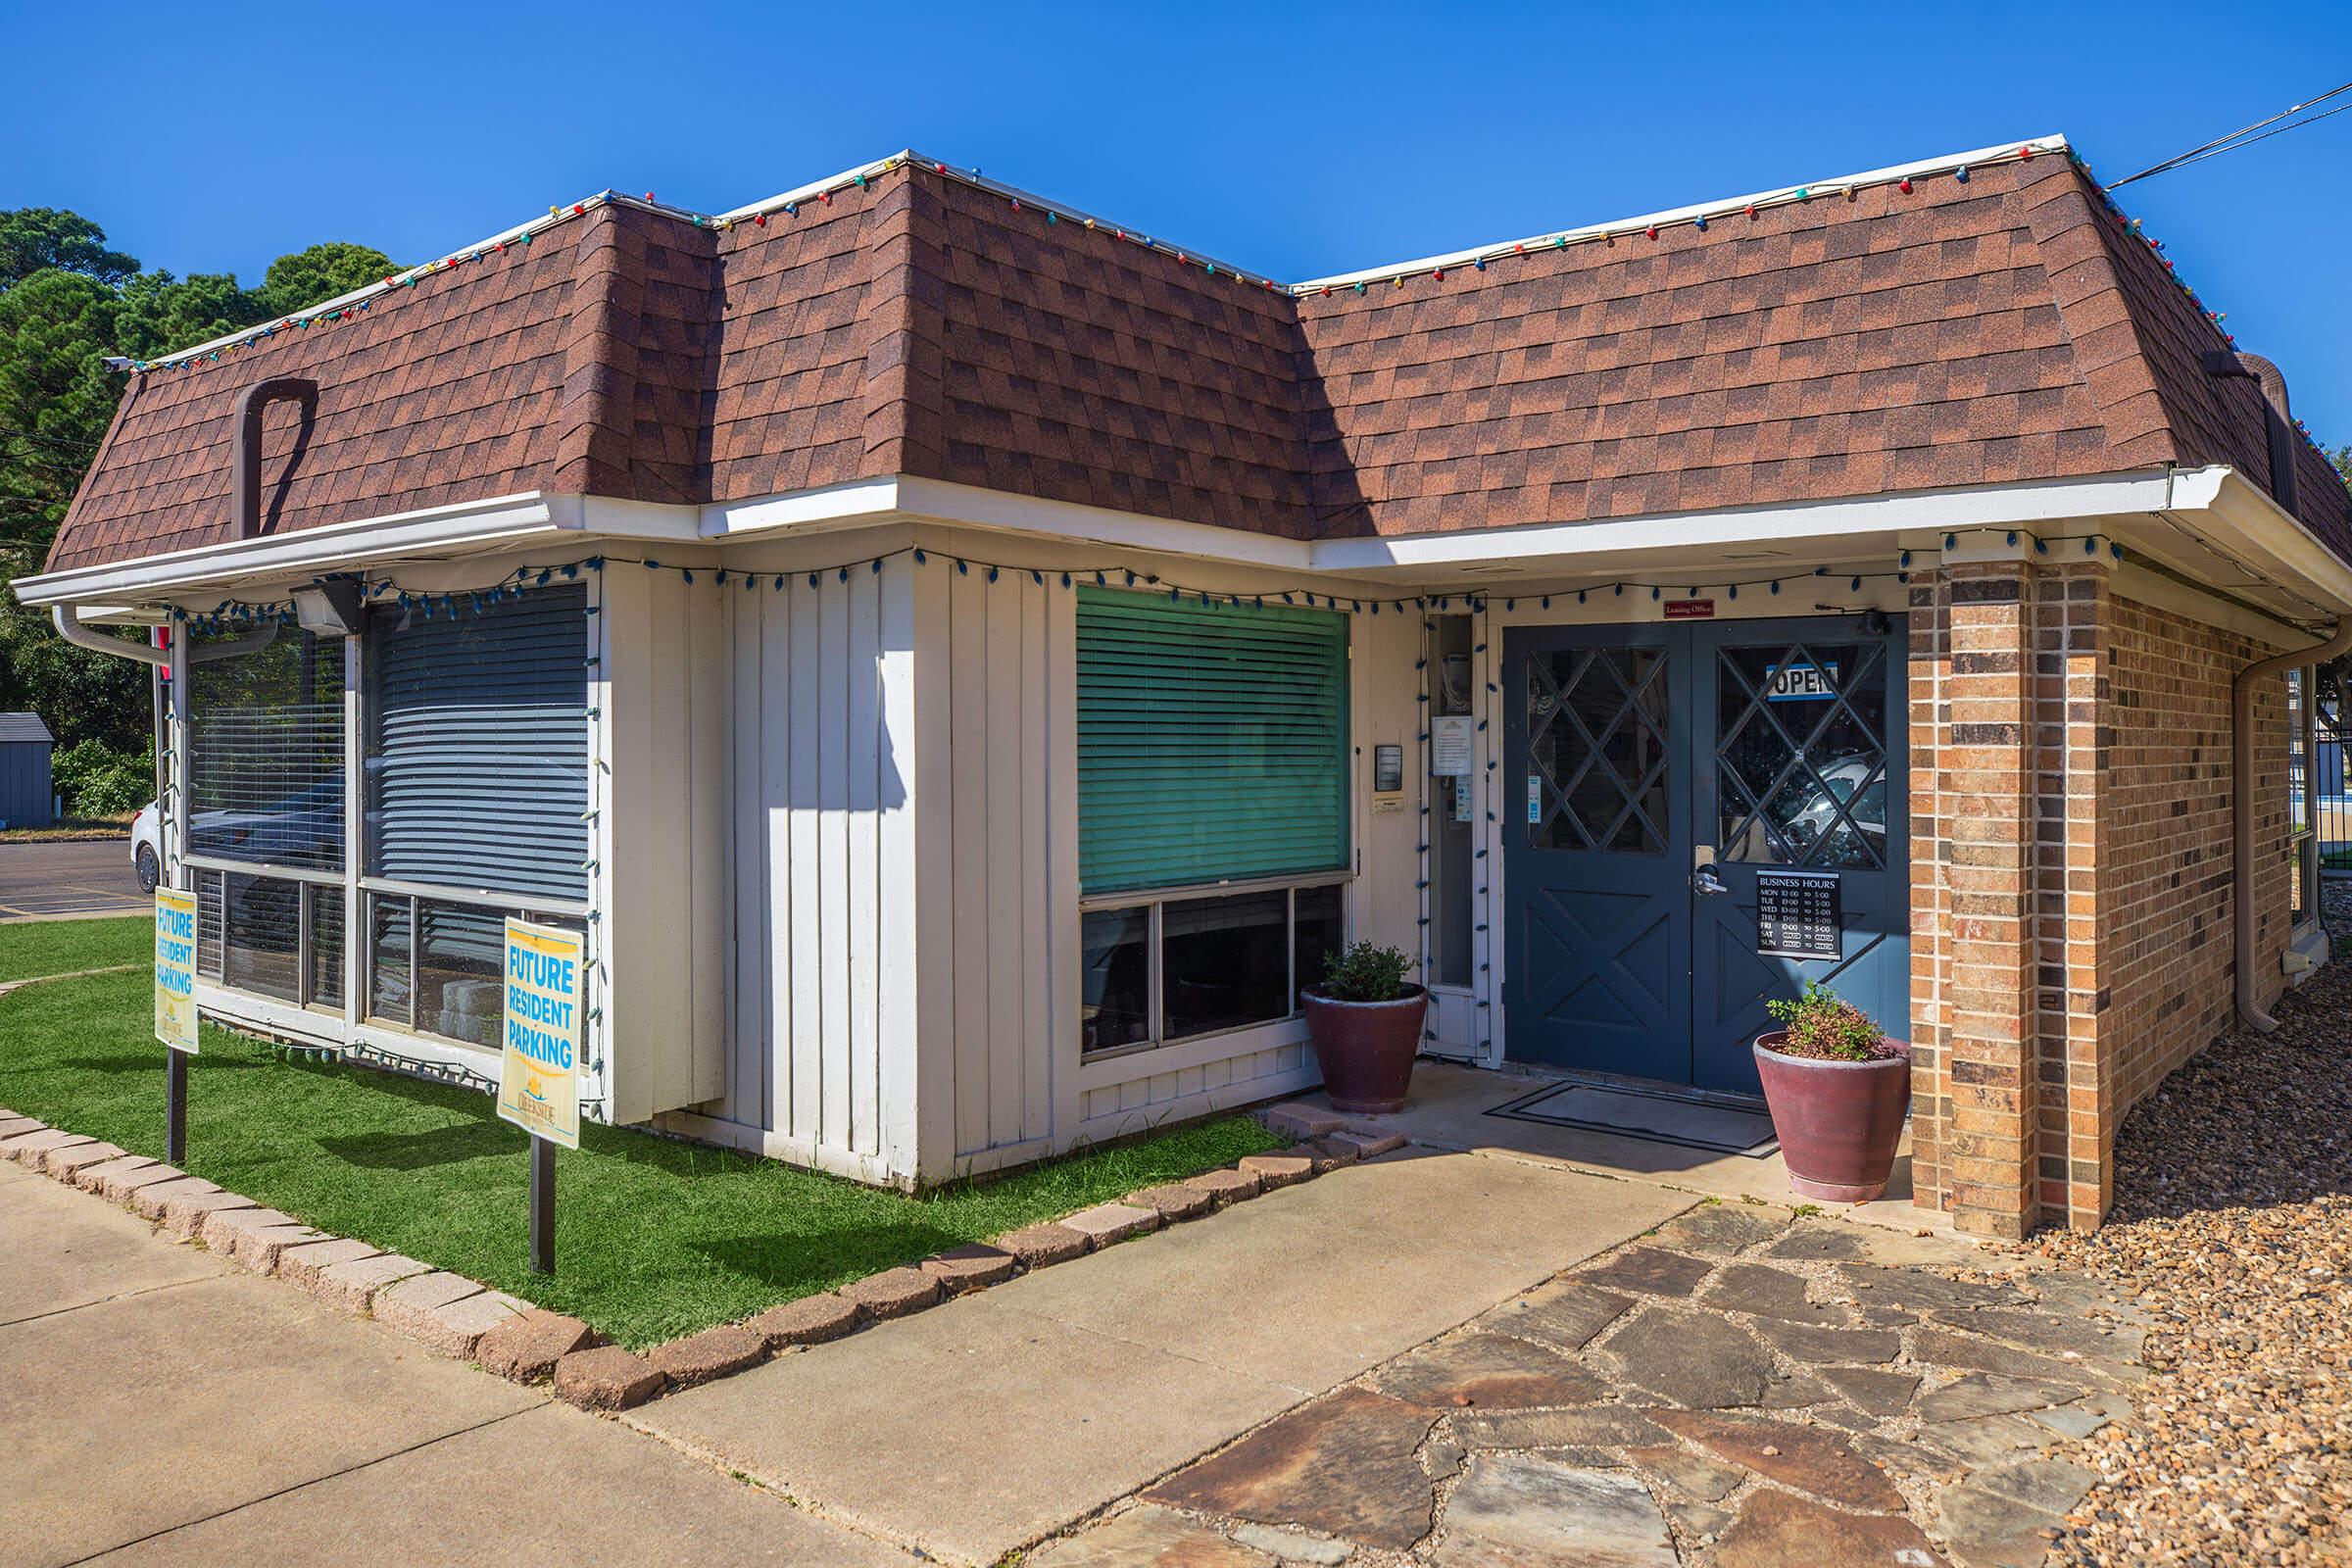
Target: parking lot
(55,881)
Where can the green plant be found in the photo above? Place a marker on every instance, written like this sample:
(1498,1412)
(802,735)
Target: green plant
(1365,971)
(95,779)
(1825,1027)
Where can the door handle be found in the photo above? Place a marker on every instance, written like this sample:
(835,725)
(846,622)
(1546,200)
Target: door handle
(1705,882)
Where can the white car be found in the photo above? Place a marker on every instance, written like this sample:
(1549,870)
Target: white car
(147,846)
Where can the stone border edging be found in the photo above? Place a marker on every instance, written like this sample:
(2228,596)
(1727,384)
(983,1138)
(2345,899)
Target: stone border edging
(466,1320)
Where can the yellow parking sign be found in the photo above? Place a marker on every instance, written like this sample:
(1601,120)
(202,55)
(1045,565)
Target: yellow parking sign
(541,1035)
(176,969)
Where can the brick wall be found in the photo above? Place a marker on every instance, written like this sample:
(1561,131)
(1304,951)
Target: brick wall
(2072,880)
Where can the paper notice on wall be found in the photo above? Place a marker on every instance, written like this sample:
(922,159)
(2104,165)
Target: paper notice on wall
(538,1074)
(1450,742)
(176,969)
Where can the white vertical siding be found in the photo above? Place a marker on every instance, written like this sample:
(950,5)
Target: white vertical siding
(665,884)
(819,834)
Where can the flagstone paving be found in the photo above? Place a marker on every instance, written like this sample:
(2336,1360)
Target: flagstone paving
(1740,1389)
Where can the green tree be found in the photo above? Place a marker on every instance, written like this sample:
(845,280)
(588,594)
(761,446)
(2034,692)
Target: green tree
(56,396)
(161,312)
(34,238)
(320,273)
(67,302)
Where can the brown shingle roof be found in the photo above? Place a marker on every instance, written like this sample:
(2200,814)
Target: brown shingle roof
(1999,328)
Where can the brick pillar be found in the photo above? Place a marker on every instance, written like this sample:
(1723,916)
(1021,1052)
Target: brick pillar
(1981,1068)
(2077,1109)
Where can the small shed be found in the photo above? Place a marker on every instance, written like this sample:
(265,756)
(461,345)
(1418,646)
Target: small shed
(25,800)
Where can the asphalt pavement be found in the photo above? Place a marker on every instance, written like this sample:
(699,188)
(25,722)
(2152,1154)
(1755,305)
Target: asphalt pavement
(54,881)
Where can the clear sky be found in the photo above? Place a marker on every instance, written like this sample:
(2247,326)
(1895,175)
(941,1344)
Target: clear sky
(1296,140)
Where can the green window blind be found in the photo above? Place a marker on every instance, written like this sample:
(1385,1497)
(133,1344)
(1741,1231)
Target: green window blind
(1213,741)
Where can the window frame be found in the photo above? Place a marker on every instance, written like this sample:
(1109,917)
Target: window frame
(1153,900)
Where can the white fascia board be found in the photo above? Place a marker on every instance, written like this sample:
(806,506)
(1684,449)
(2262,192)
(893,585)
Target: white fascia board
(335,547)
(938,500)
(824,507)
(1866,518)
(1832,186)
(2241,516)
(611,516)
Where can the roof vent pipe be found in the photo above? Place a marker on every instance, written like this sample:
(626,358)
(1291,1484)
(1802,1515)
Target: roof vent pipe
(247,448)
(2277,423)
(2242,806)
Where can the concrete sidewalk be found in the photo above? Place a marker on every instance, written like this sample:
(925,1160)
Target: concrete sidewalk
(161,1406)
(985,1424)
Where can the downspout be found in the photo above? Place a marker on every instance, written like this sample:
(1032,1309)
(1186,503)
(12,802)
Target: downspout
(2241,805)
(67,620)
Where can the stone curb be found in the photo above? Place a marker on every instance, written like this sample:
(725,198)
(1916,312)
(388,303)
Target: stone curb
(467,1320)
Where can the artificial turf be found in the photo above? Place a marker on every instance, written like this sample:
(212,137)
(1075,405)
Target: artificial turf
(654,1238)
(29,948)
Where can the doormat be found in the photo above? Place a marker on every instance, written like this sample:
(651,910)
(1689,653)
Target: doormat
(1651,1118)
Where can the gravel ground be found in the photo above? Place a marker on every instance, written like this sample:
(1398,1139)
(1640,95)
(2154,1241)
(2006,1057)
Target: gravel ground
(2232,1222)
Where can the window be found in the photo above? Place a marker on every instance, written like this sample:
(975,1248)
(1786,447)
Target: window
(1212,812)
(266,767)
(1212,742)
(476,774)
(266,748)
(477,746)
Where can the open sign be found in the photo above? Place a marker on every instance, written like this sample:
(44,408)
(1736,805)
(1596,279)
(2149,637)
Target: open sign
(1800,683)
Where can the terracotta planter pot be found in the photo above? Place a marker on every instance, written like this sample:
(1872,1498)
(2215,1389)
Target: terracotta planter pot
(1366,1049)
(1837,1121)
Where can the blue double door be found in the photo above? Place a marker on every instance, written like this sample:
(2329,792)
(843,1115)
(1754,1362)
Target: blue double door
(1651,774)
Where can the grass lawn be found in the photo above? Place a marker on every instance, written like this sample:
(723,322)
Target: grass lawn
(29,948)
(654,1238)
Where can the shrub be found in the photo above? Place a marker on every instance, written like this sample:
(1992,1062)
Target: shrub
(1363,972)
(1827,1027)
(93,779)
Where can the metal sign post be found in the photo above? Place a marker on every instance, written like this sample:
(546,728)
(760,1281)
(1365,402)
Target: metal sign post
(543,1205)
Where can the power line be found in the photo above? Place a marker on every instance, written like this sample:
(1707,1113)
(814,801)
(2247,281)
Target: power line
(2244,137)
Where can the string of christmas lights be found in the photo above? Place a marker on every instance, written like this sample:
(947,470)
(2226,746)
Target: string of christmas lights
(236,614)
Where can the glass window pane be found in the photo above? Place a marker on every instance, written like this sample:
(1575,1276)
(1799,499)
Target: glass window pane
(1801,761)
(209,921)
(1115,976)
(1597,750)
(389,991)
(1316,933)
(265,933)
(477,745)
(460,957)
(1225,962)
(265,752)
(326,947)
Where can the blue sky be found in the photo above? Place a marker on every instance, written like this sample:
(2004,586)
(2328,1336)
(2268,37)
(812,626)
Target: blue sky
(1296,142)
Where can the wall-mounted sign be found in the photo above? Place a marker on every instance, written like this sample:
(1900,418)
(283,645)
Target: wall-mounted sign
(1689,609)
(1534,799)
(1799,914)
(1800,682)
(1388,769)
(1452,739)
(176,969)
(539,1056)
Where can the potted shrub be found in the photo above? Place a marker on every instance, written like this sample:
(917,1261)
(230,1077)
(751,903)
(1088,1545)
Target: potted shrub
(1365,1020)
(1837,1089)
